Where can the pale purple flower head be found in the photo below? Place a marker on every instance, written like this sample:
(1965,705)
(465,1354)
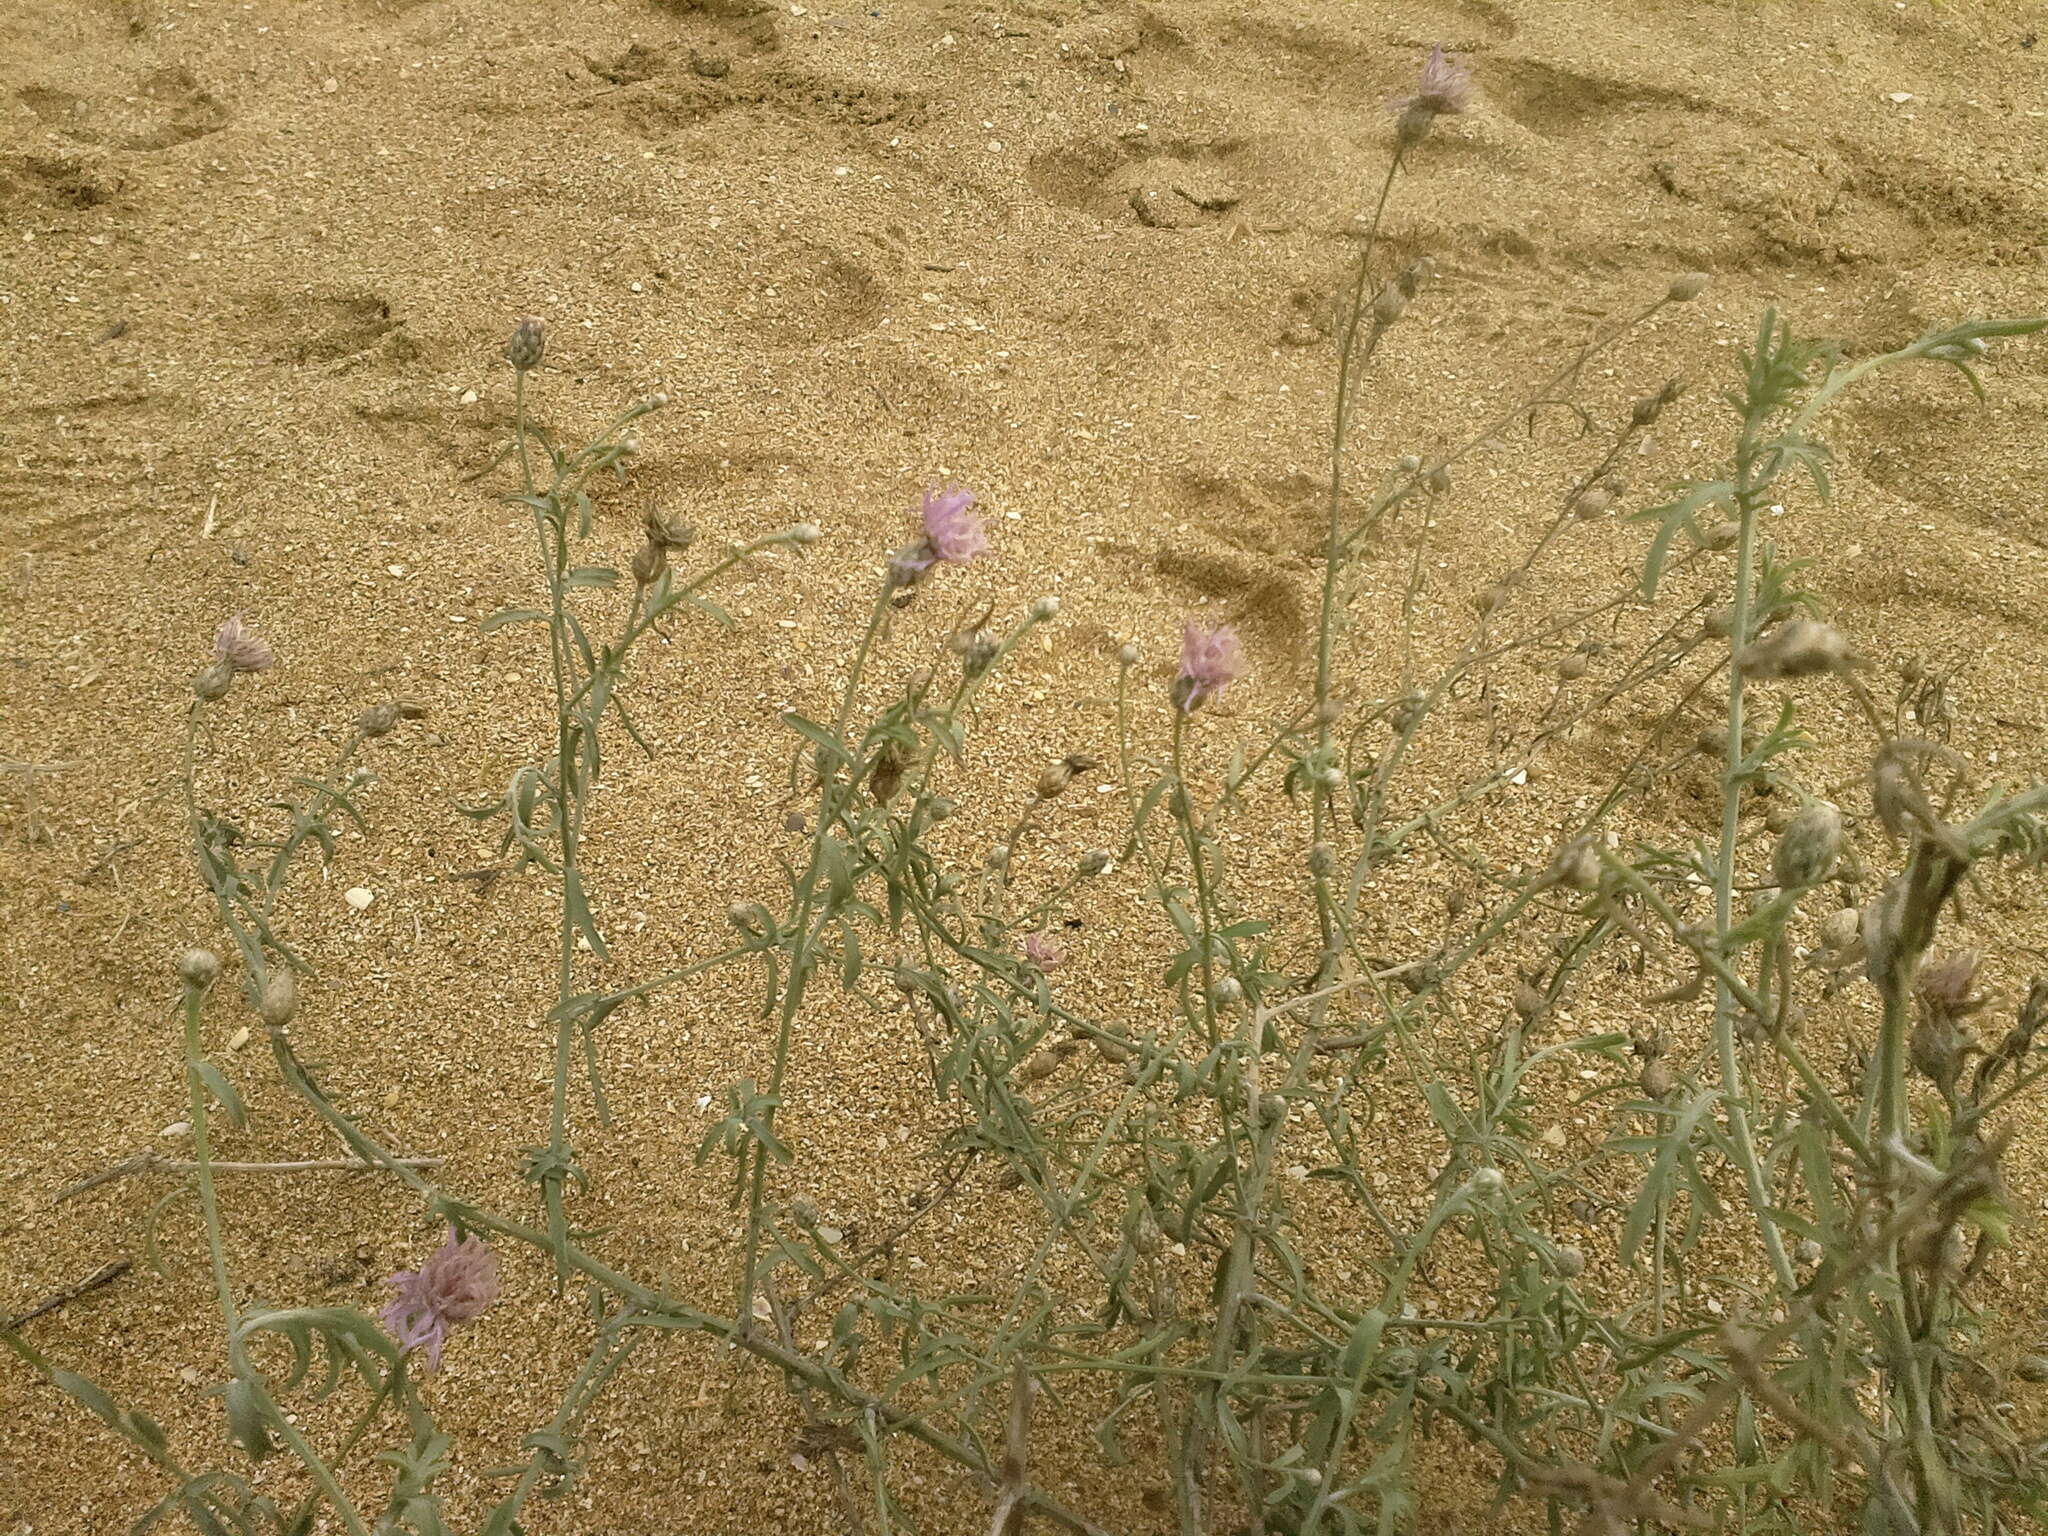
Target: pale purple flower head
(1043,951)
(236,644)
(1211,659)
(1444,87)
(455,1284)
(951,526)
(953,532)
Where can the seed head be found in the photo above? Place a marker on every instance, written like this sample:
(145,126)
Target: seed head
(1045,609)
(455,1284)
(1127,655)
(1807,851)
(649,561)
(1322,861)
(236,644)
(1227,993)
(1577,865)
(529,344)
(1211,659)
(198,968)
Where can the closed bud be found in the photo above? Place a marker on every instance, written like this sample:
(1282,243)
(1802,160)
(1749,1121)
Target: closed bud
(1097,861)
(804,533)
(941,808)
(279,1000)
(1332,779)
(1045,609)
(529,344)
(1569,1263)
(1530,1002)
(1485,1183)
(1437,481)
(1574,666)
(1722,535)
(1227,993)
(1271,1110)
(666,534)
(198,968)
(1408,464)
(1322,861)
(1592,502)
(1686,287)
(1841,927)
(1807,852)
(378,720)
(1127,655)
(999,857)
(1388,305)
(1054,781)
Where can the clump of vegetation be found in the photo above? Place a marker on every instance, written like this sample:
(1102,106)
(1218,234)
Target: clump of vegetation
(1777,1332)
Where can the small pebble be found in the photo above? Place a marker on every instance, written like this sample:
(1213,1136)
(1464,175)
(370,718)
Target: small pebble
(359,897)
(176,1129)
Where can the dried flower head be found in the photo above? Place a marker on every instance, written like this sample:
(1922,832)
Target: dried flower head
(455,1284)
(198,968)
(1043,951)
(1798,647)
(529,344)
(1946,985)
(1211,659)
(236,644)
(1443,87)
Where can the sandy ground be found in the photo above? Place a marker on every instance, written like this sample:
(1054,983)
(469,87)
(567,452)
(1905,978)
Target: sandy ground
(257,262)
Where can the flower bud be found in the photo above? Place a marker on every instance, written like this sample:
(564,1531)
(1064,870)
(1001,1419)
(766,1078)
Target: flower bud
(999,857)
(1591,502)
(529,344)
(198,968)
(1097,861)
(1227,993)
(1686,287)
(649,561)
(378,720)
(1841,927)
(1127,655)
(1807,852)
(279,999)
(1485,1183)
(1322,861)
(804,533)
(1054,781)
(1569,1263)
(941,808)
(1574,667)
(1045,609)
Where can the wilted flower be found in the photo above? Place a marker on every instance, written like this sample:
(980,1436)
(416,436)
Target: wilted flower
(1043,951)
(236,644)
(1211,659)
(1796,648)
(454,1285)
(1444,87)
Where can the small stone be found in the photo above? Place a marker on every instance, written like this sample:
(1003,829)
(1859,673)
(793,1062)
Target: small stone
(176,1129)
(330,85)
(238,1039)
(831,1237)
(1898,98)
(393,1098)
(359,897)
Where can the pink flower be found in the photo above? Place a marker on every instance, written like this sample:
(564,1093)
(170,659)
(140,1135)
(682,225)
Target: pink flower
(236,644)
(951,527)
(1211,659)
(1043,951)
(1445,87)
(454,1285)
